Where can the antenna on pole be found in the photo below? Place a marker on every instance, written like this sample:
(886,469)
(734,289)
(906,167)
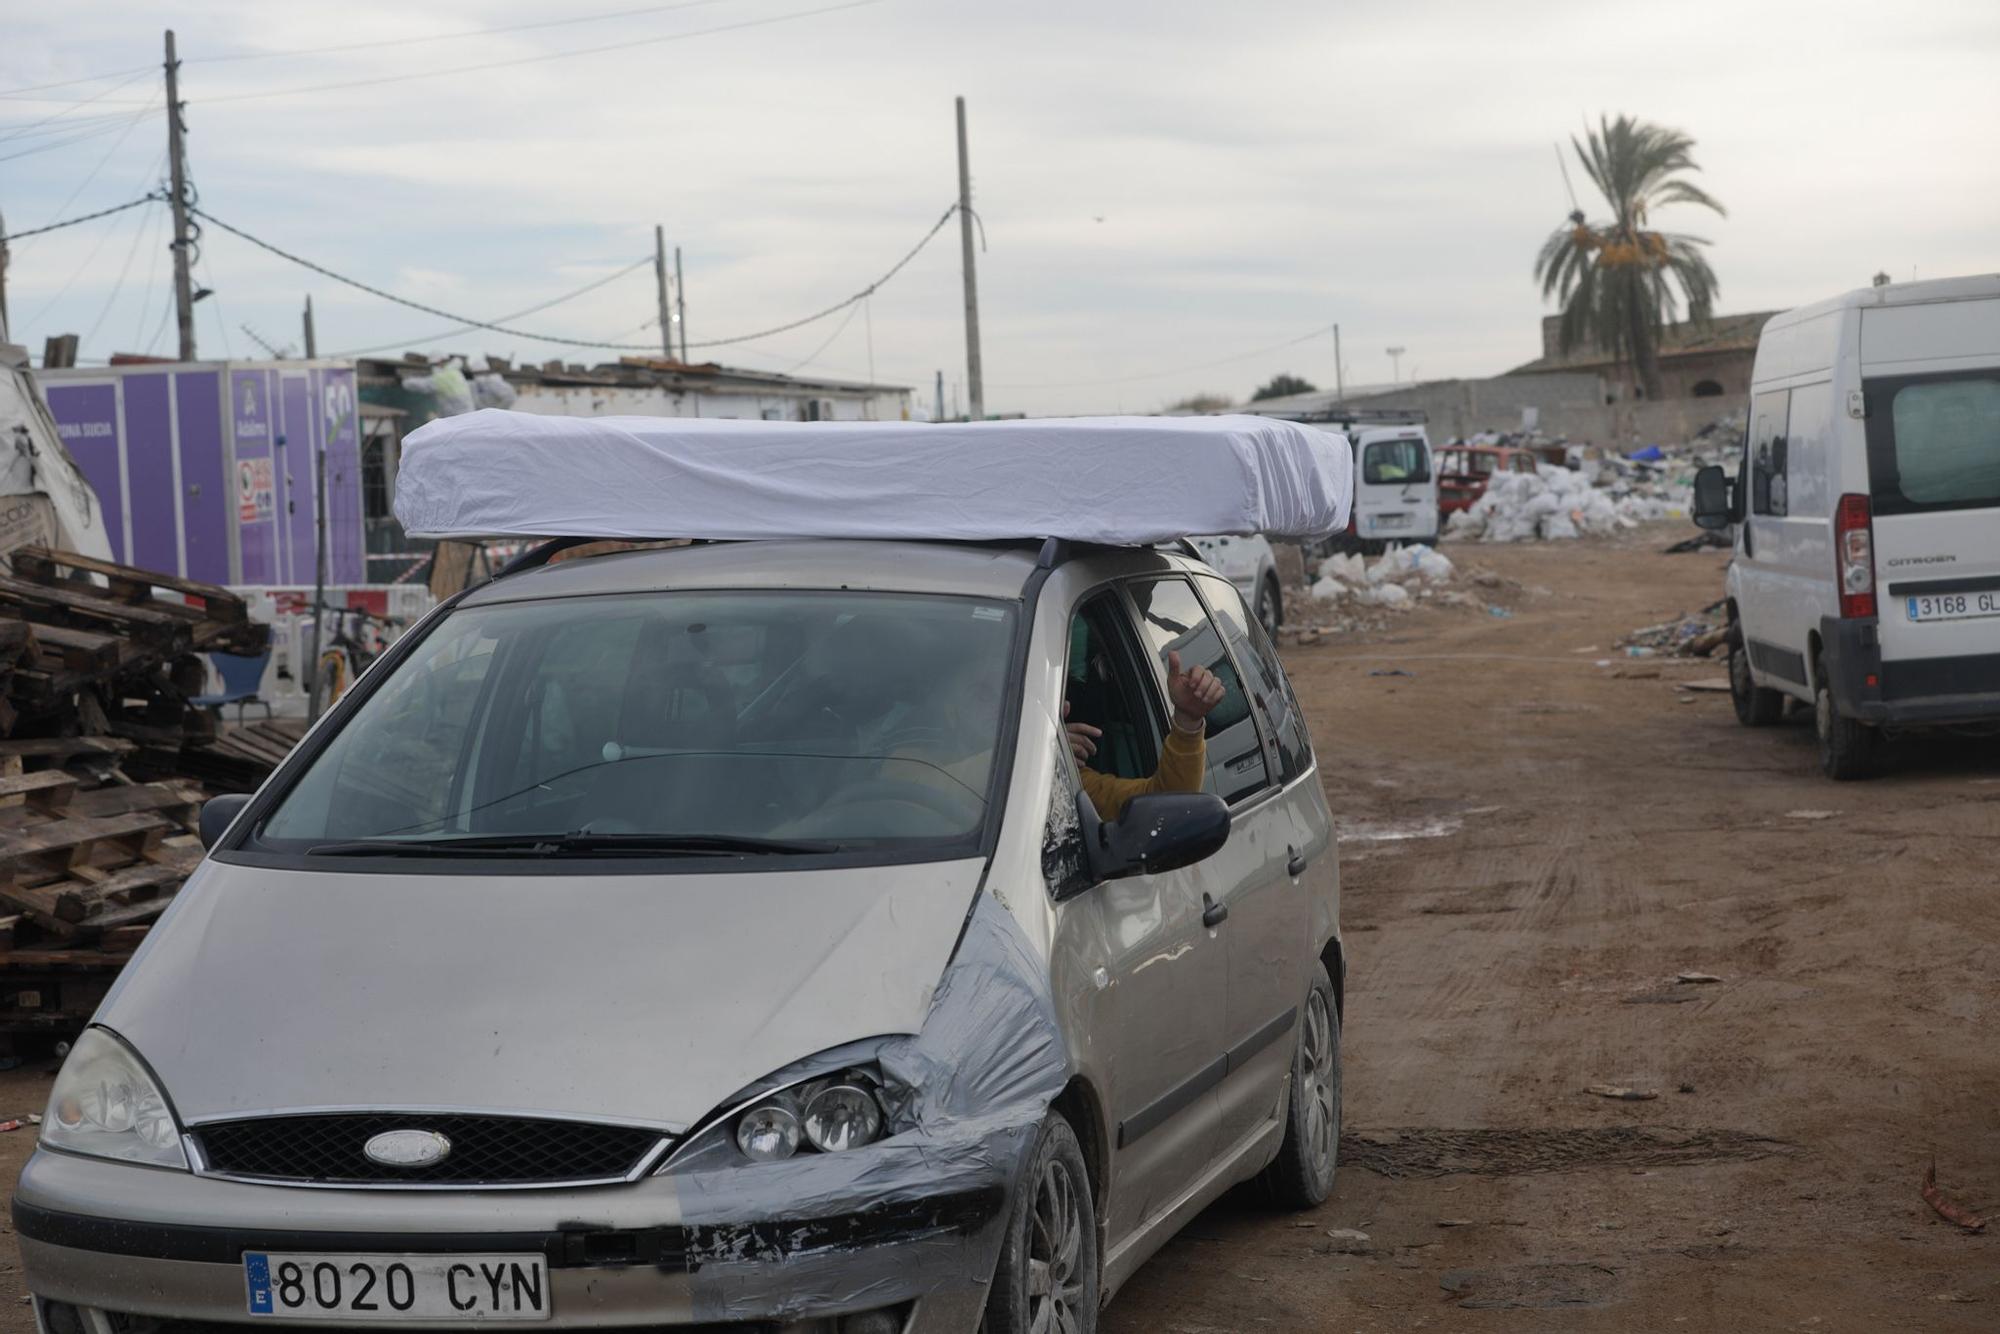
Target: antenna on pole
(1563,167)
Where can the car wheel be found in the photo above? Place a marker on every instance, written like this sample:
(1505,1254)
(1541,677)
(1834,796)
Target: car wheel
(1755,706)
(1047,1279)
(1270,607)
(1302,1174)
(1847,749)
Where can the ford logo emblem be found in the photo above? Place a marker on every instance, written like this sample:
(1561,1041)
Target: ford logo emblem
(407,1148)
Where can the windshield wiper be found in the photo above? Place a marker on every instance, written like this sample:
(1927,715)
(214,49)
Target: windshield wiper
(580,843)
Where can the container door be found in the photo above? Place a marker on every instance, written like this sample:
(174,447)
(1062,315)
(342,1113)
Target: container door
(205,491)
(298,445)
(87,419)
(253,420)
(149,470)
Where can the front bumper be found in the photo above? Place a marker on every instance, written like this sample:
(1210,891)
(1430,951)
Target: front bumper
(1905,692)
(112,1238)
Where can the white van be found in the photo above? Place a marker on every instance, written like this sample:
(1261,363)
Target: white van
(1395,475)
(1866,580)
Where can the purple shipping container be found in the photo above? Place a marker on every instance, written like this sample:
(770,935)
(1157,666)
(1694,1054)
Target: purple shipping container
(207,469)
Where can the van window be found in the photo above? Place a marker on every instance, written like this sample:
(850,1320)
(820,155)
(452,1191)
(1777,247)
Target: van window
(1173,619)
(1769,488)
(1934,441)
(1387,462)
(870,722)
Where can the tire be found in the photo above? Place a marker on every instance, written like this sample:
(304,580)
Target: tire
(1755,705)
(1301,1177)
(1047,1276)
(1847,749)
(1270,608)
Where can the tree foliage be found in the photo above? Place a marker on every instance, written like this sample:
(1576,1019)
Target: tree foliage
(1619,281)
(1202,403)
(1283,386)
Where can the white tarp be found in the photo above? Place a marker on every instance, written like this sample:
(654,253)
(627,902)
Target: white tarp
(44,499)
(1117,480)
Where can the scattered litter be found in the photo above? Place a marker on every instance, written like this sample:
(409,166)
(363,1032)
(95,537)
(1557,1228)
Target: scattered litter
(1696,979)
(1454,1222)
(1603,662)
(1686,1088)
(1619,1093)
(1810,815)
(1394,671)
(1587,648)
(1348,1241)
(1963,1297)
(1700,634)
(6,1126)
(1949,1210)
(1500,612)
(34,1118)
(1716,685)
(1560,504)
(1700,541)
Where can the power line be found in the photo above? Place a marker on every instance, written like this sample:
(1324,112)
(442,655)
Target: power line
(497,327)
(118,288)
(454,36)
(1178,370)
(85,183)
(591,286)
(538,59)
(71,135)
(287,52)
(71,222)
(74,106)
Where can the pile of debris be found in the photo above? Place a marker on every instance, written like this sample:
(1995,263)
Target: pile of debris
(1702,634)
(1351,594)
(99,677)
(1558,504)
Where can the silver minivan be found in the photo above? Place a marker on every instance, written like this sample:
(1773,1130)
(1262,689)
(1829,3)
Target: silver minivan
(718,936)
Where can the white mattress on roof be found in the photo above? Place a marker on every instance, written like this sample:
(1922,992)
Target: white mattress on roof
(1115,480)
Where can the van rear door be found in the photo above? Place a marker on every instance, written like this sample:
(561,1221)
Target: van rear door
(1396,489)
(1934,487)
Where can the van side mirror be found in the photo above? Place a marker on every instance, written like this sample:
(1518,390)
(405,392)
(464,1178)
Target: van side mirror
(1160,832)
(217,814)
(1712,498)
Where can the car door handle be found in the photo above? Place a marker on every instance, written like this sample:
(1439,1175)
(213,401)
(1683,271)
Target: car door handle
(1297,865)
(1213,913)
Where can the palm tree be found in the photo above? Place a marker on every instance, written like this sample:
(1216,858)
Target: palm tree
(1617,279)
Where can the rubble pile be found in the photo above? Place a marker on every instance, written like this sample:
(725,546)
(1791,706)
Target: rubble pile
(1558,504)
(1351,594)
(1702,634)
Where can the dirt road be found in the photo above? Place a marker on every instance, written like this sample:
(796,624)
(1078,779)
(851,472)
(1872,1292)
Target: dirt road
(1535,846)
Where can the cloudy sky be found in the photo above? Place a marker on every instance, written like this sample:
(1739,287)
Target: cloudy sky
(1177,197)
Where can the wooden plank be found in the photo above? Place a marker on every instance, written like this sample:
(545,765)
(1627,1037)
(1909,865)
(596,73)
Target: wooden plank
(89,604)
(80,959)
(7,925)
(66,747)
(125,939)
(71,840)
(77,901)
(43,790)
(163,796)
(39,907)
(41,563)
(128,914)
(81,650)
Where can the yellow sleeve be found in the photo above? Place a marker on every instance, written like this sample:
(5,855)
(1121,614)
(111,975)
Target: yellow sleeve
(1183,764)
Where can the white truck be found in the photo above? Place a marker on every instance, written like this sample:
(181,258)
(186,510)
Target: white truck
(1866,575)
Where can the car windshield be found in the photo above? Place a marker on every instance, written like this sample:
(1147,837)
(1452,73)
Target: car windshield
(1484,464)
(740,721)
(1392,461)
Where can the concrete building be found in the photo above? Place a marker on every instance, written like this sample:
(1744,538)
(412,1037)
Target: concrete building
(1709,360)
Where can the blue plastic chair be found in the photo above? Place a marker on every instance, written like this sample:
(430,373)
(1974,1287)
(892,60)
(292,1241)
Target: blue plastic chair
(241,678)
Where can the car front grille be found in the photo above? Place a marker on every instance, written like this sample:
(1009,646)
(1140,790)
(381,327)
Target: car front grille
(485,1150)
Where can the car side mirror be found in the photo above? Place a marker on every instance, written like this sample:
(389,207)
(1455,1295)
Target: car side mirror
(1711,498)
(1160,832)
(217,814)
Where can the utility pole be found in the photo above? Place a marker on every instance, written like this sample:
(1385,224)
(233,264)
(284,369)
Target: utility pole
(974,381)
(4,337)
(681,300)
(312,343)
(1339,380)
(183,243)
(938,416)
(317,696)
(660,282)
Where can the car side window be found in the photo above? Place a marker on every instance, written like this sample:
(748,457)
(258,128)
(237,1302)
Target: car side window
(1173,620)
(1269,687)
(1105,689)
(1769,490)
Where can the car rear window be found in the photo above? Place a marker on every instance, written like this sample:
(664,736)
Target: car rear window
(1392,461)
(1947,441)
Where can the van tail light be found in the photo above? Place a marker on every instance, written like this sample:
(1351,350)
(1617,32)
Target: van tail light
(1854,556)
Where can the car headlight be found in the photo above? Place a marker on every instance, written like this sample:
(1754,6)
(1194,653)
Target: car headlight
(827,1115)
(106,1103)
